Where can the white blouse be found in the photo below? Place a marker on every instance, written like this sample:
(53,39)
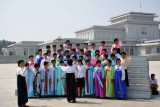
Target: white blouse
(69,69)
(121,68)
(81,71)
(22,71)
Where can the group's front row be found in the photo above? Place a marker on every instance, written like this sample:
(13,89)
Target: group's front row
(90,81)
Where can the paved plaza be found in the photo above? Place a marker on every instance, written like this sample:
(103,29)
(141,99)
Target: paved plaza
(8,98)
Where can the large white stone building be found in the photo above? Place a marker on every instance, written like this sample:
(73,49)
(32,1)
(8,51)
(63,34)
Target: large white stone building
(138,31)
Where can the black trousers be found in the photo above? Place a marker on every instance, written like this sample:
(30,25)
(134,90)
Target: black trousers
(22,90)
(126,78)
(71,87)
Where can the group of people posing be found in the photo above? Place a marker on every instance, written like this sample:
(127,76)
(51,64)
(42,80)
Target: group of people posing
(74,72)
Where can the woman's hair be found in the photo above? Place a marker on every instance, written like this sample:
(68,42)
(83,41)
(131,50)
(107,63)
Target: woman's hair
(115,39)
(118,59)
(98,61)
(109,60)
(19,62)
(123,53)
(112,55)
(80,61)
(75,57)
(70,62)
(45,63)
(105,55)
(26,64)
(36,65)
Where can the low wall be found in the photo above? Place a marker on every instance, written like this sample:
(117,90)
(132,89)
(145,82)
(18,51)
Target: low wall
(12,59)
(155,57)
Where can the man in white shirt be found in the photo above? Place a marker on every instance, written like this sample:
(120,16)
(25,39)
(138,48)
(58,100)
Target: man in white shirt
(154,85)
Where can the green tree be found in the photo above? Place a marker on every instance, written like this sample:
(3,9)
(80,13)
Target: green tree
(4,44)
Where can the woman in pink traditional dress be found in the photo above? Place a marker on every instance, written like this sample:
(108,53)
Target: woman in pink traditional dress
(103,47)
(117,44)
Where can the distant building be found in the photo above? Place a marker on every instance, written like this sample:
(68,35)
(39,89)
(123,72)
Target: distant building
(138,31)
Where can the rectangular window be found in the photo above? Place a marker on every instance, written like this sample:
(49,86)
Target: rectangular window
(148,50)
(158,50)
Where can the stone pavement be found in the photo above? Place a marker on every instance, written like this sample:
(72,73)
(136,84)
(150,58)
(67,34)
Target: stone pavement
(8,98)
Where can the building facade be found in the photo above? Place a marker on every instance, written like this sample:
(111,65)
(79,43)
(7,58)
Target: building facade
(138,31)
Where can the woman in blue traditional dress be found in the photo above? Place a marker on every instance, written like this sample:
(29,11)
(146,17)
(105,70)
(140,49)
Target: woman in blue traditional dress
(29,80)
(120,84)
(89,79)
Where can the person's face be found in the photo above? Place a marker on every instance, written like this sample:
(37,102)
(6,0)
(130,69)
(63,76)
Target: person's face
(49,54)
(114,51)
(53,63)
(93,46)
(77,46)
(104,58)
(74,59)
(88,63)
(123,56)
(68,58)
(81,52)
(86,46)
(54,56)
(54,47)
(31,58)
(70,46)
(98,64)
(73,52)
(40,52)
(67,53)
(37,68)
(153,77)
(61,47)
(46,65)
(21,64)
(97,53)
(103,52)
(81,58)
(61,59)
(97,57)
(48,48)
(118,62)
(102,44)
(116,42)
(45,56)
(79,63)
(61,64)
(67,43)
(108,63)
(59,52)
(112,57)
(89,57)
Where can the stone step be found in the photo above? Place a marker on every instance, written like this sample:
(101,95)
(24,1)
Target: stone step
(139,94)
(138,64)
(138,74)
(134,87)
(139,58)
(139,81)
(137,68)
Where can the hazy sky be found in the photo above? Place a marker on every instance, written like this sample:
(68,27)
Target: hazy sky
(43,20)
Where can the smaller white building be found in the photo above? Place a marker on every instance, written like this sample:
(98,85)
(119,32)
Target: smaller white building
(23,48)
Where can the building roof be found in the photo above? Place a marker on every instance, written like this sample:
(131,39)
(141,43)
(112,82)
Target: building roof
(99,26)
(134,14)
(26,43)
